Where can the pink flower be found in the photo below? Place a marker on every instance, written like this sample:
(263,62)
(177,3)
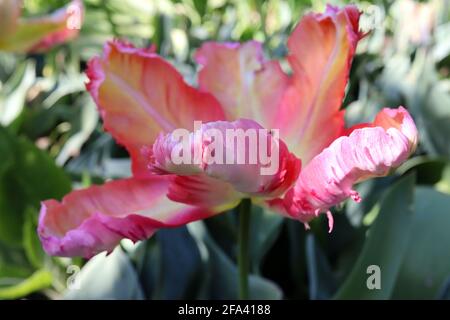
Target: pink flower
(143,99)
(37,34)
(243,173)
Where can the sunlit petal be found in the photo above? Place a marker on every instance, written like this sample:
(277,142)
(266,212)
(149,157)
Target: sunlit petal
(139,95)
(321,49)
(242,80)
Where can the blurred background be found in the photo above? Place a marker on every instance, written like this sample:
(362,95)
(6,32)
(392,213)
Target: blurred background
(51,141)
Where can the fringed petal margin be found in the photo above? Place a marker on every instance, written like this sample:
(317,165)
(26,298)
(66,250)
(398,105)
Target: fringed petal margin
(95,219)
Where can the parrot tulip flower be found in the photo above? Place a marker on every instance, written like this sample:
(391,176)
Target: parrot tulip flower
(37,34)
(143,100)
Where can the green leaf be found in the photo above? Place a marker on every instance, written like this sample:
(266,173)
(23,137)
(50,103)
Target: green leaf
(12,205)
(12,96)
(436,117)
(223,273)
(6,156)
(14,270)
(428,98)
(89,120)
(265,227)
(371,191)
(296,267)
(13,262)
(430,171)
(178,248)
(106,277)
(31,243)
(223,228)
(38,174)
(146,258)
(38,122)
(41,279)
(321,281)
(444,292)
(426,262)
(385,245)
(200,6)
(69,83)
(30,177)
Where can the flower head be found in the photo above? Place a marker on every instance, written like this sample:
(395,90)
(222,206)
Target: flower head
(144,102)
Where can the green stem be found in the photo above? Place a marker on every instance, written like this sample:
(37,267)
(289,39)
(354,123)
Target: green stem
(243,257)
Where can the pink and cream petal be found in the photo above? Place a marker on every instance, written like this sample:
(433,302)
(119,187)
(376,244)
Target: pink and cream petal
(321,49)
(139,95)
(95,219)
(368,152)
(203,191)
(242,153)
(242,80)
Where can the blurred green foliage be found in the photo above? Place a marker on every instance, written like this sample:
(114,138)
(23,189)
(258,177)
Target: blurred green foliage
(51,140)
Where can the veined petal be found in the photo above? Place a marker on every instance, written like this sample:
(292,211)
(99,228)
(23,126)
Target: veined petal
(321,49)
(41,33)
(367,152)
(245,83)
(139,95)
(242,153)
(95,219)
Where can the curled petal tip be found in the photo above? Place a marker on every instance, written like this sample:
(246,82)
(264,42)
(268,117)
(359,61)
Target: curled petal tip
(355,196)
(367,152)
(400,119)
(330,221)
